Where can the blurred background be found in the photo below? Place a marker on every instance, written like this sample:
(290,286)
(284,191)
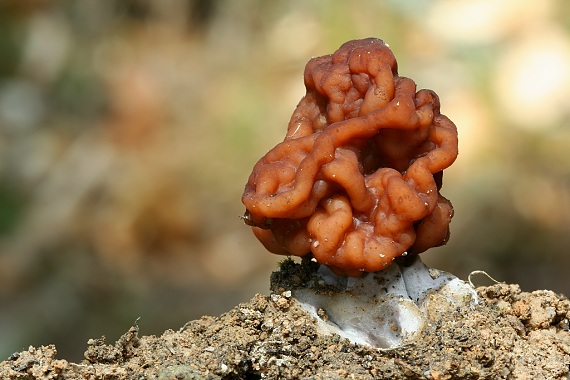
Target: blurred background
(128,129)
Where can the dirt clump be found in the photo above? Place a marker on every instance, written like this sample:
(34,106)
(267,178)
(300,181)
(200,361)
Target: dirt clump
(511,334)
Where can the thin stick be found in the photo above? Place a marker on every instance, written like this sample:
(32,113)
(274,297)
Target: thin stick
(481,272)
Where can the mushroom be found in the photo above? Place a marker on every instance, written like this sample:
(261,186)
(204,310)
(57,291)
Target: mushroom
(356,182)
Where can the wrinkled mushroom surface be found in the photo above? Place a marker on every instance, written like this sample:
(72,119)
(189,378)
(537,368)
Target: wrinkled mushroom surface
(356,181)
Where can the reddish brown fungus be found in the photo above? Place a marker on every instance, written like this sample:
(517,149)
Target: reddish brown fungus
(356,182)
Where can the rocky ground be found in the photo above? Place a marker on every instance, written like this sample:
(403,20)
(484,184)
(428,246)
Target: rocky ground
(511,334)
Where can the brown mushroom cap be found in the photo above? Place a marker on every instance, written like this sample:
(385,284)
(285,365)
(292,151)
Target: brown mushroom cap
(356,181)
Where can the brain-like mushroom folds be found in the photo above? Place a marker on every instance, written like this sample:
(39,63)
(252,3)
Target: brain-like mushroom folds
(357,180)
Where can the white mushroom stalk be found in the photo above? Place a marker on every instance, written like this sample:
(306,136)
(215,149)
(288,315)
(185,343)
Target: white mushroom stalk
(384,309)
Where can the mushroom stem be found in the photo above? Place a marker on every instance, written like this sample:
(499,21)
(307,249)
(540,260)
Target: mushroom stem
(384,309)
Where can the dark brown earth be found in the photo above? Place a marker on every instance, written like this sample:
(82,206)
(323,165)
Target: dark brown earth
(510,335)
